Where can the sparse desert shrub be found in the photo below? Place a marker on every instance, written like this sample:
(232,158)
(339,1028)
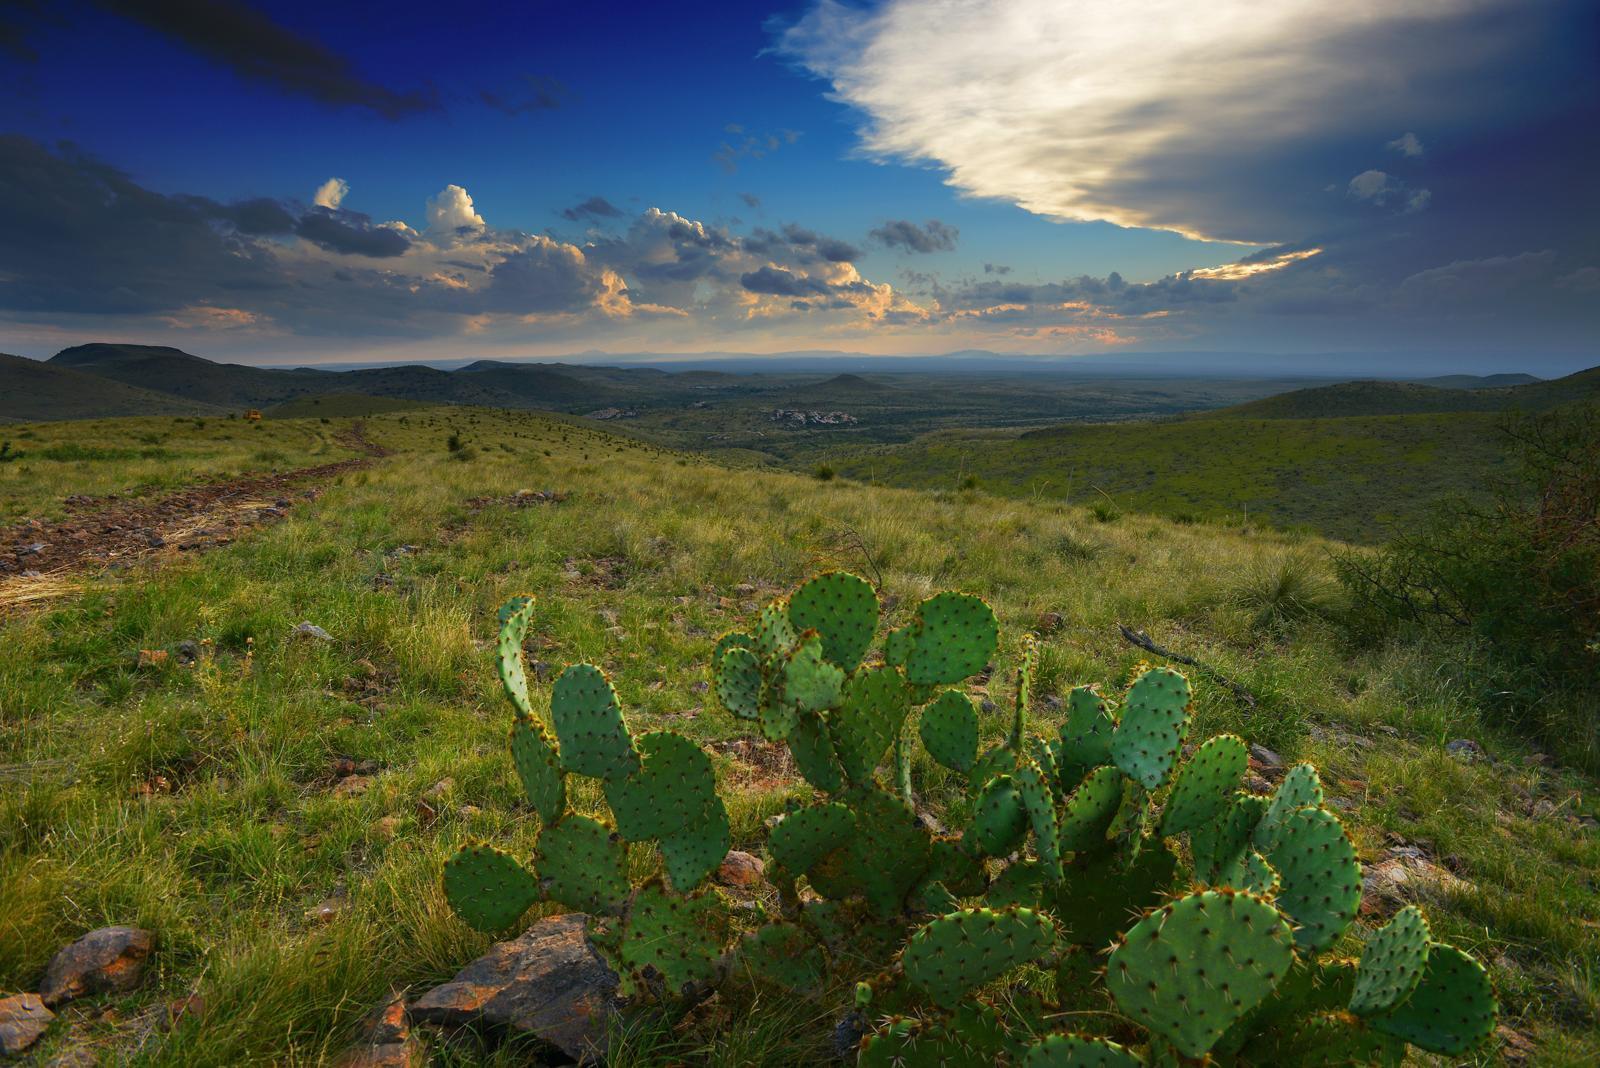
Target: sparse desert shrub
(1281,593)
(1059,841)
(465,454)
(970,482)
(453,442)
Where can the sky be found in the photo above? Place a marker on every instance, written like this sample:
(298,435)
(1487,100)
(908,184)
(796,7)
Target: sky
(315,182)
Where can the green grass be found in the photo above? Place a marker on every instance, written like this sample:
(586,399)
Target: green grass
(340,406)
(197,801)
(1357,478)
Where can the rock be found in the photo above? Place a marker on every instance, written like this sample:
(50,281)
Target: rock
(352,786)
(1405,874)
(1050,622)
(1515,1047)
(387,827)
(23,1018)
(156,541)
(439,790)
(1464,749)
(548,982)
(1265,757)
(307,629)
(151,658)
(740,869)
(109,960)
(386,1040)
(188,651)
(1538,760)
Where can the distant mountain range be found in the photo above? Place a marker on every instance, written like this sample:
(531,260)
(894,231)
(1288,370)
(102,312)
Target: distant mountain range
(1455,393)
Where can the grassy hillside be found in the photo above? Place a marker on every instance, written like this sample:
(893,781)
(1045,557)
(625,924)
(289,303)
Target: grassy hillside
(204,802)
(32,390)
(340,406)
(1371,397)
(1356,478)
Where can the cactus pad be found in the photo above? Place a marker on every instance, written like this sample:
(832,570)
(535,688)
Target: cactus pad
(1155,718)
(514,618)
(1089,810)
(890,853)
(955,954)
(1189,969)
(1219,848)
(1392,963)
(1085,741)
(954,636)
(588,721)
(1321,877)
(955,867)
(807,835)
(1078,1051)
(1451,1010)
(949,730)
(581,865)
(676,938)
(868,720)
(736,679)
(1039,801)
(539,767)
(784,954)
(1259,877)
(1101,894)
(1205,785)
(699,849)
(805,680)
(774,635)
(487,887)
(671,791)
(813,752)
(841,607)
(1299,789)
(999,817)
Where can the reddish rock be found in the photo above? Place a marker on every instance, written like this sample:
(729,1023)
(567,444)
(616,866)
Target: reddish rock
(386,1039)
(109,960)
(23,1018)
(549,982)
(740,869)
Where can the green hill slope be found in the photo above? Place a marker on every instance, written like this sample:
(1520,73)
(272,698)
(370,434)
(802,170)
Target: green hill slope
(1374,397)
(31,390)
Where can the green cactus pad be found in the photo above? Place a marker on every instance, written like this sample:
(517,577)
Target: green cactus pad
(955,867)
(1260,877)
(999,818)
(1189,969)
(1392,963)
(487,887)
(672,790)
(813,752)
(1078,977)
(1321,877)
(897,645)
(972,1037)
(697,851)
(784,954)
(1025,671)
(734,639)
(1085,742)
(679,938)
(934,897)
(1039,801)
(1150,733)
(890,851)
(1078,1051)
(1089,810)
(958,953)
(868,720)
(588,721)
(999,760)
(1219,848)
(1299,789)
(736,680)
(581,865)
(1205,785)
(954,637)
(1022,883)
(1043,753)
(515,615)
(1100,894)
(843,608)
(807,835)
(538,766)
(949,731)
(805,681)
(1336,1040)
(1452,1009)
(774,635)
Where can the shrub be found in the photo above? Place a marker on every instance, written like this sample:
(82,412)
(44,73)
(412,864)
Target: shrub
(8,454)
(453,442)
(1282,593)
(1060,839)
(824,473)
(1105,512)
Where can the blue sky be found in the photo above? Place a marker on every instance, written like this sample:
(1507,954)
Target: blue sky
(904,177)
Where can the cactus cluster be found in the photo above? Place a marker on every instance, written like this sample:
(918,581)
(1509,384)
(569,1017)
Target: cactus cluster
(1182,916)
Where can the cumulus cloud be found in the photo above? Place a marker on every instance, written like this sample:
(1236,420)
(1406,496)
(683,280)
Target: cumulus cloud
(351,233)
(1214,119)
(1407,144)
(907,236)
(331,194)
(451,210)
(596,207)
(1385,190)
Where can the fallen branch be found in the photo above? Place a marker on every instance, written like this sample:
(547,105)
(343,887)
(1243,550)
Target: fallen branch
(1145,642)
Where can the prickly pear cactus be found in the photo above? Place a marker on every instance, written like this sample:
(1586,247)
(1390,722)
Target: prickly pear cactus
(1184,919)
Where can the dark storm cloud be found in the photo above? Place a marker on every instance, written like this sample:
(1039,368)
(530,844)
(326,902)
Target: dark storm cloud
(934,236)
(996,268)
(596,207)
(533,93)
(243,39)
(351,233)
(829,248)
(782,283)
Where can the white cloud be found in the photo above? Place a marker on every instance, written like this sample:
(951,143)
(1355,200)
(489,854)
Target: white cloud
(1192,117)
(331,194)
(1407,145)
(452,210)
(1382,189)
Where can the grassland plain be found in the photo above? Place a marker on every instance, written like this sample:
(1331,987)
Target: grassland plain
(1358,478)
(206,802)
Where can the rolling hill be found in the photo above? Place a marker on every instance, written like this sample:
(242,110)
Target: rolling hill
(1377,397)
(41,391)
